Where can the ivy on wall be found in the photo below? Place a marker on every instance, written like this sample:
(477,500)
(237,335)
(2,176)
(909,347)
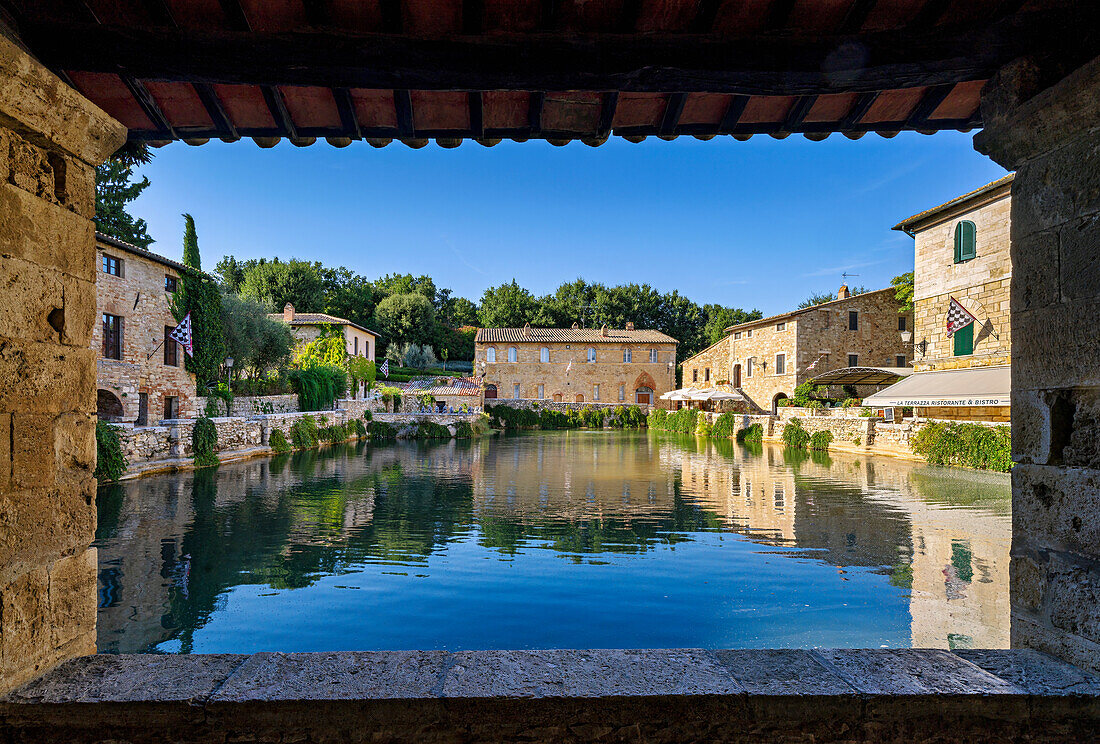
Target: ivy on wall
(200,296)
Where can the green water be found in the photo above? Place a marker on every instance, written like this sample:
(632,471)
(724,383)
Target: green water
(554,540)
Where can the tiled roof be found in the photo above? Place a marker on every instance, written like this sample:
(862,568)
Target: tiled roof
(443,386)
(570,335)
(800,311)
(320,319)
(142,253)
(905,224)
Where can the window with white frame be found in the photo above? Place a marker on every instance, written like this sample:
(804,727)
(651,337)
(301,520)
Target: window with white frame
(513,354)
(595,392)
(736,335)
(622,392)
(591,353)
(628,355)
(541,387)
(515,391)
(652,356)
(491,354)
(781,364)
(780,326)
(544,354)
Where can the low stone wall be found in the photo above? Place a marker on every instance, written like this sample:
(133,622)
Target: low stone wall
(554,405)
(443,419)
(356,407)
(851,433)
(245,405)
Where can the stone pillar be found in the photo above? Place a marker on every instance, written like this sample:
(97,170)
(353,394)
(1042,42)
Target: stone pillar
(50,140)
(1052,140)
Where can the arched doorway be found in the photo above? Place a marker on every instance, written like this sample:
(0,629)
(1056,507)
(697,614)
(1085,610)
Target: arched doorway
(736,376)
(643,396)
(490,392)
(579,398)
(107,406)
(557,397)
(775,402)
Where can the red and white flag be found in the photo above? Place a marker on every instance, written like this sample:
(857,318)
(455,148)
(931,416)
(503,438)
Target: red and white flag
(569,366)
(958,317)
(182,334)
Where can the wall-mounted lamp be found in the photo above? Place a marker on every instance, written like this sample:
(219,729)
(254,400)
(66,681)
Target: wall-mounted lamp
(907,337)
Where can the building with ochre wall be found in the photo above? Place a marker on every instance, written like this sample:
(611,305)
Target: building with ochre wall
(767,359)
(140,375)
(308,326)
(599,365)
(962,251)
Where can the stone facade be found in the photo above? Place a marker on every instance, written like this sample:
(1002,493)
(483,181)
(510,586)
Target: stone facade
(818,336)
(51,139)
(136,387)
(568,375)
(1050,139)
(981,284)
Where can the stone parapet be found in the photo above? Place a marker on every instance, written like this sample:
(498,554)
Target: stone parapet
(662,695)
(253,405)
(554,405)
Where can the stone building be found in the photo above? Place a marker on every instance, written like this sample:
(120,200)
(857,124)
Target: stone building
(308,326)
(962,252)
(767,359)
(599,365)
(140,375)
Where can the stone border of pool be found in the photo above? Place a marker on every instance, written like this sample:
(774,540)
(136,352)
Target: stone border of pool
(832,695)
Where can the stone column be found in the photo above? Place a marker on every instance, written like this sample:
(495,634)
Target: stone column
(1051,138)
(50,140)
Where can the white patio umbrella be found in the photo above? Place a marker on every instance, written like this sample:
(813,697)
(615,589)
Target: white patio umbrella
(675,395)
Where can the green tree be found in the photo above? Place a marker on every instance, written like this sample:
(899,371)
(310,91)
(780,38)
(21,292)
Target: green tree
(362,370)
(230,273)
(399,284)
(406,318)
(720,318)
(198,295)
(275,283)
(507,306)
(817,298)
(256,343)
(458,312)
(903,292)
(115,187)
(348,295)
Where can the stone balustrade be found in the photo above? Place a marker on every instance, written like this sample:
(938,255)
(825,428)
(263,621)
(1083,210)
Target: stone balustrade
(253,405)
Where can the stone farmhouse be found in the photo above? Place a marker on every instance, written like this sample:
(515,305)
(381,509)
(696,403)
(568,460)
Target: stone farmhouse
(962,252)
(308,326)
(767,359)
(140,375)
(599,365)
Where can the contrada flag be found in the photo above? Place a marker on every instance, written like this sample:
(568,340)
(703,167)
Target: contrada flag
(385,368)
(958,317)
(182,334)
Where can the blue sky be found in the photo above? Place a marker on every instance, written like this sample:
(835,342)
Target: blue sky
(757,224)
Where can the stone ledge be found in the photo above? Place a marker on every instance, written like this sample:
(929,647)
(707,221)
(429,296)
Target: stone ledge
(560,695)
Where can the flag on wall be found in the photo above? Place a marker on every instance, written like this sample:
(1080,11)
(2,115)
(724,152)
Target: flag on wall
(182,335)
(569,366)
(385,368)
(958,317)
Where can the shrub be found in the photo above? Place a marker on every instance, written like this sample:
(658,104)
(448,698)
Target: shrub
(820,441)
(683,421)
(657,418)
(368,416)
(815,405)
(390,393)
(703,427)
(333,434)
(633,418)
(851,402)
(794,436)
(463,430)
(752,433)
(380,430)
(724,426)
(971,445)
(866,412)
(303,432)
(110,462)
(204,438)
(223,393)
(278,441)
(357,427)
(592,417)
(432,430)
(318,386)
(211,408)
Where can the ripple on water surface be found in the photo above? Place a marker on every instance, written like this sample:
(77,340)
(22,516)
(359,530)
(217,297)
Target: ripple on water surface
(554,540)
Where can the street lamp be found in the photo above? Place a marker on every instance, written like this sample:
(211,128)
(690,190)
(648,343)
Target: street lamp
(907,337)
(229,370)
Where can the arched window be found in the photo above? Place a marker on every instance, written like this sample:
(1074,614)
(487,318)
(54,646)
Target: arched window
(490,392)
(544,354)
(491,354)
(591,353)
(513,354)
(628,355)
(966,241)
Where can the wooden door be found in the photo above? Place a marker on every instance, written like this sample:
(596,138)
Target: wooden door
(643,398)
(490,392)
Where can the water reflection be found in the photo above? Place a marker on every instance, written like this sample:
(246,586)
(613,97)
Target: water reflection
(557,539)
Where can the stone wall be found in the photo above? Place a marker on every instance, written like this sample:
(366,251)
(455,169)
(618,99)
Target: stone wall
(251,405)
(554,405)
(709,366)
(51,139)
(139,298)
(1052,140)
(609,371)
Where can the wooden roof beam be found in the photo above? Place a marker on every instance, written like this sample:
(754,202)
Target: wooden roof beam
(149,106)
(277,106)
(798,113)
(607,113)
(473,16)
(392,22)
(216,112)
(671,117)
(534,113)
(402,103)
(161,13)
(346,108)
(733,114)
(927,105)
(477,114)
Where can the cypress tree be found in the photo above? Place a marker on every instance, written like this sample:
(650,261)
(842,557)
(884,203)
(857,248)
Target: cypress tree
(191,244)
(199,295)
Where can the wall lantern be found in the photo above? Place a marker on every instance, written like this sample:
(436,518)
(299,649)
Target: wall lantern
(906,336)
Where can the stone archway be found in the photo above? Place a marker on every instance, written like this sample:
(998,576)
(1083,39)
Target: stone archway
(775,402)
(645,380)
(108,407)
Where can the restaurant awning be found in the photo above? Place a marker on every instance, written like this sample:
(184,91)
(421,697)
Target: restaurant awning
(862,376)
(976,386)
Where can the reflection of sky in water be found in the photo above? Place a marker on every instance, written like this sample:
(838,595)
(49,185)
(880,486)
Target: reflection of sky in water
(555,539)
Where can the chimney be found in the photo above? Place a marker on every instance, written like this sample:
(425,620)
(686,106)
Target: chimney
(288,313)
(603,330)
(843,293)
(630,325)
(527,330)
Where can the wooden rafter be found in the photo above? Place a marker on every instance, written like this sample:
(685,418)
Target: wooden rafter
(798,112)
(402,103)
(673,109)
(346,108)
(608,104)
(216,111)
(477,114)
(149,105)
(277,106)
(534,113)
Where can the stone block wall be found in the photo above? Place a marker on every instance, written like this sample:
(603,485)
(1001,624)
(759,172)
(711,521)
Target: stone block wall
(1052,140)
(715,358)
(553,405)
(253,405)
(51,139)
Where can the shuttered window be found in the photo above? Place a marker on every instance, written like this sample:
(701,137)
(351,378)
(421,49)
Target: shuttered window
(966,241)
(964,340)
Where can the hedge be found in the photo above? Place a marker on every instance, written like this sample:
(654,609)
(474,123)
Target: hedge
(684,421)
(110,462)
(970,445)
(204,437)
(794,436)
(752,433)
(820,440)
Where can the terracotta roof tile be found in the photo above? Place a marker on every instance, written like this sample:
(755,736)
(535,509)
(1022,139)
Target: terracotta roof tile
(320,319)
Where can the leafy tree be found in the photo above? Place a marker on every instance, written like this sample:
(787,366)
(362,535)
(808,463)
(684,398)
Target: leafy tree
(507,306)
(362,370)
(230,272)
(903,291)
(115,187)
(458,343)
(398,284)
(348,295)
(458,312)
(817,298)
(200,296)
(417,356)
(330,349)
(275,283)
(720,318)
(406,318)
(256,343)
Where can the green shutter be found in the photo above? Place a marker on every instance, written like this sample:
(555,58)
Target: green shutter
(966,241)
(964,340)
